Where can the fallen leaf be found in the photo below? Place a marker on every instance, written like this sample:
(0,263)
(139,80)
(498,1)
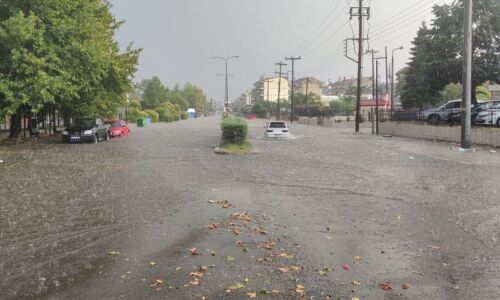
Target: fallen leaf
(152,263)
(357,259)
(230,258)
(244,216)
(269,244)
(284,270)
(283,254)
(356,282)
(194,282)
(405,286)
(346,267)
(196,274)
(354,298)
(157,282)
(300,289)
(296,268)
(212,226)
(202,268)
(194,251)
(264,292)
(178,269)
(252,295)
(435,247)
(236,286)
(386,286)
(114,253)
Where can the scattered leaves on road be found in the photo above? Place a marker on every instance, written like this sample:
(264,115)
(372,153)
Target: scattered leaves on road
(356,282)
(194,252)
(252,295)
(244,216)
(230,258)
(113,253)
(212,226)
(357,259)
(405,286)
(152,263)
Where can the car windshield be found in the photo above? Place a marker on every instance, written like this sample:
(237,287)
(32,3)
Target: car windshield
(84,122)
(277,125)
(115,123)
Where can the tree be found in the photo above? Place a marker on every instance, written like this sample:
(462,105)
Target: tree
(310,100)
(154,94)
(437,52)
(61,54)
(195,97)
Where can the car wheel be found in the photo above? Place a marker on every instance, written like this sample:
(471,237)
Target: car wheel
(433,120)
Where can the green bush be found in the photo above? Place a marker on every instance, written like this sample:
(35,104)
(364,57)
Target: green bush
(135,113)
(168,112)
(184,115)
(234,131)
(153,115)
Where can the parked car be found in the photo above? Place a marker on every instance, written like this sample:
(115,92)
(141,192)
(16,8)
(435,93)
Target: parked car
(118,128)
(277,129)
(443,113)
(490,116)
(86,130)
(482,107)
(251,117)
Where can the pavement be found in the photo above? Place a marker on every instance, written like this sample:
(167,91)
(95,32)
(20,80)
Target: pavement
(328,214)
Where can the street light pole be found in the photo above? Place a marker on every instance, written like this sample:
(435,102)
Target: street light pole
(392,78)
(226,97)
(467,77)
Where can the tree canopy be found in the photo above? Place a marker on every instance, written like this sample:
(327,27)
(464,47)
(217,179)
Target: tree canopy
(61,54)
(437,53)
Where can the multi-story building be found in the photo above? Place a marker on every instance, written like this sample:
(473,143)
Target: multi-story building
(267,89)
(309,85)
(341,86)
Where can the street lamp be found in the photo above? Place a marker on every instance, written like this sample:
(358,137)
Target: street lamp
(392,78)
(226,60)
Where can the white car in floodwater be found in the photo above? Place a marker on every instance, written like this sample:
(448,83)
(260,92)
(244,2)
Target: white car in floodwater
(276,129)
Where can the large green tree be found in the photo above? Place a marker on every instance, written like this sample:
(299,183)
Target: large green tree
(61,54)
(437,52)
(154,94)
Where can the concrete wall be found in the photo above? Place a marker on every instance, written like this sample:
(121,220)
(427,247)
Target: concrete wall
(480,135)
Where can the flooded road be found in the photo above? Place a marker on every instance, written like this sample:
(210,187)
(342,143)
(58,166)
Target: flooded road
(328,214)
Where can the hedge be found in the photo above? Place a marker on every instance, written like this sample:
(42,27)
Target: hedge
(234,131)
(153,115)
(184,115)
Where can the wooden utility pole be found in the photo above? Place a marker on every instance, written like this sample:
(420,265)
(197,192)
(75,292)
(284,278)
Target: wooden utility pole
(467,77)
(307,91)
(359,12)
(293,59)
(281,65)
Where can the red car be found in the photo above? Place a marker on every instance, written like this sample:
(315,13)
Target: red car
(251,117)
(119,128)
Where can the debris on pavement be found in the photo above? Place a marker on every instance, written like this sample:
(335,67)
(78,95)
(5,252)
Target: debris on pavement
(357,259)
(194,251)
(114,253)
(300,289)
(386,286)
(346,267)
(222,203)
(405,286)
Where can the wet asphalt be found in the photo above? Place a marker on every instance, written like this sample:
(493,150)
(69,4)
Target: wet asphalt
(328,214)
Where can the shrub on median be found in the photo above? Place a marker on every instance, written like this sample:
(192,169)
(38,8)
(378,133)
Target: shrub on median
(234,131)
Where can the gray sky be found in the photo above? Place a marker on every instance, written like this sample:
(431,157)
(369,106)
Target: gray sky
(180,37)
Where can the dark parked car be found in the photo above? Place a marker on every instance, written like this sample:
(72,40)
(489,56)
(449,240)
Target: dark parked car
(86,130)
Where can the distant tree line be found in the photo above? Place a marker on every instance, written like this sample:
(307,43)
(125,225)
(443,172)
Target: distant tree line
(170,104)
(61,55)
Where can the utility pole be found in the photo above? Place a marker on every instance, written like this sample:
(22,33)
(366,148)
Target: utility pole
(359,12)
(268,112)
(376,98)
(281,65)
(307,91)
(392,79)
(467,76)
(293,59)
(226,97)
(386,73)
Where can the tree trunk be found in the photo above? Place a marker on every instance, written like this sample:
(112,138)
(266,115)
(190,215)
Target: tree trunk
(16,124)
(54,120)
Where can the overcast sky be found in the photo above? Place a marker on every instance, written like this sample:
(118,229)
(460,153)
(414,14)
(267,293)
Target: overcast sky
(180,37)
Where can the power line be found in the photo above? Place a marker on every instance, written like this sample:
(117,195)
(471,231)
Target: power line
(401,14)
(316,39)
(318,28)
